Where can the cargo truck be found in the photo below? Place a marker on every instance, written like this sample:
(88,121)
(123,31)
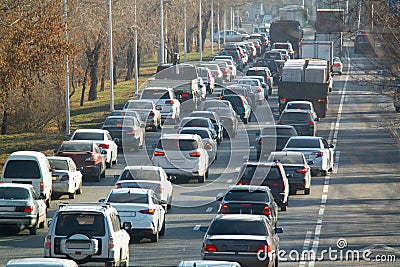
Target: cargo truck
(286,31)
(317,49)
(306,79)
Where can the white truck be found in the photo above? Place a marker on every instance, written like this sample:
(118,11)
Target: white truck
(317,49)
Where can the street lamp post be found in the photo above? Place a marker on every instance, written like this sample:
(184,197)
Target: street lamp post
(111,58)
(184,35)
(218,29)
(136,58)
(67,105)
(162,57)
(200,35)
(212,27)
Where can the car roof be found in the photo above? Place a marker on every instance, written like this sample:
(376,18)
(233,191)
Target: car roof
(208,263)
(307,137)
(59,158)
(85,207)
(15,185)
(287,153)
(80,142)
(91,131)
(51,262)
(278,126)
(181,136)
(200,129)
(133,190)
(193,118)
(295,111)
(239,217)
(248,187)
(119,117)
(142,167)
(28,153)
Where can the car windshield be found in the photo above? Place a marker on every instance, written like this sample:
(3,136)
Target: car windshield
(295,116)
(58,164)
(247,196)
(303,106)
(177,145)
(285,159)
(66,147)
(86,223)
(259,174)
(212,67)
(138,174)
(202,134)
(303,143)
(248,81)
(139,105)
(24,169)
(237,227)
(13,193)
(88,136)
(222,111)
(127,197)
(154,94)
(276,56)
(209,104)
(194,123)
(118,122)
(235,100)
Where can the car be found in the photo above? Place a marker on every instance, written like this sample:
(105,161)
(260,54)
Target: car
(103,139)
(208,78)
(226,70)
(206,263)
(241,89)
(199,122)
(337,66)
(142,208)
(88,157)
(287,46)
(296,164)
(67,179)
(251,48)
(240,105)
(41,262)
(274,55)
(284,52)
(210,103)
(215,119)
(128,132)
(264,40)
(271,174)
(89,234)
(128,113)
(241,49)
(148,111)
(230,63)
(266,73)
(228,120)
(265,87)
(302,120)
(202,89)
(152,177)
(229,36)
(22,207)
(209,144)
(235,54)
(249,199)
(256,87)
(247,239)
(302,105)
(182,155)
(216,71)
(317,151)
(257,45)
(165,100)
(273,138)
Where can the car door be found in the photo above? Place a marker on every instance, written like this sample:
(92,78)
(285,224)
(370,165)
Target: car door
(114,147)
(39,203)
(329,151)
(160,211)
(75,174)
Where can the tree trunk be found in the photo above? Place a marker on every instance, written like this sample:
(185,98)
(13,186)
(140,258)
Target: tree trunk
(84,86)
(204,27)
(103,74)
(4,123)
(130,61)
(93,62)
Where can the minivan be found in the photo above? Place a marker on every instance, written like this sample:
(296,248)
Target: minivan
(29,167)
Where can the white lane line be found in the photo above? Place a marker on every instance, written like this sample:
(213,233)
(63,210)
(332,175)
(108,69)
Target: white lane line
(306,244)
(229,181)
(323,199)
(321,211)
(196,227)
(326,188)
(336,166)
(209,209)
(237,169)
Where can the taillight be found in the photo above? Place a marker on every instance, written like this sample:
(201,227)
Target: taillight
(105,146)
(133,132)
(195,154)
(149,211)
(27,209)
(310,123)
(209,248)
(111,242)
(258,89)
(208,145)
(158,153)
(151,114)
(219,74)
(279,122)
(318,154)
(185,95)
(336,65)
(263,249)
(225,71)
(169,102)
(283,99)
(92,158)
(224,209)
(64,178)
(41,186)
(320,100)
(302,171)
(238,59)
(260,141)
(47,241)
(266,210)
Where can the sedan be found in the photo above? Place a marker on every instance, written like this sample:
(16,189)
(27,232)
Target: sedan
(142,208)
(249,199)
(67,179)
(148,111)
(256,87)
(22,207)
(199,122)
(152,177)
(302,120)
(316,150)
(228,120)
(302,105)
(247,239)
(87,155)
(209,144)
(273,138)
(337,66)
(296,168)
(216,121)
(240,105)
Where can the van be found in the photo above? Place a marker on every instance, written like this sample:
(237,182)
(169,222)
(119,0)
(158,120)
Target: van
(29,167)
(41,262)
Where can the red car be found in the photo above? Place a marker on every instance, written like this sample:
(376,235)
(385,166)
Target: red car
(88,157)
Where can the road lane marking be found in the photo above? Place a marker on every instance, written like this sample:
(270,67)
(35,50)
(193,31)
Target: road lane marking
(306,244)
(196,227)
(323,198)
(229,181)
(326,187)
(209,209)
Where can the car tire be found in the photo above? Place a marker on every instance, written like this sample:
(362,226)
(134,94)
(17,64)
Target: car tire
(48,202)
(154,128)
(43,223)
(284,207)
(79,191)
(33,229)
(307,191)
(109,164)
(155,237)
(162,231)
(72,195)
(102,174)
(324,173)
(202,178)
(97,177)
(245,120)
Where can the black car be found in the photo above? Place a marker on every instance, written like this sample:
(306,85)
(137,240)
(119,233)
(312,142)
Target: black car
(215,119)
(247,239)
(273,138)
(302,120)
(249,199)
(199,122)
(271,174)
(266,73)
(241,89)
(228,120)
(240,105)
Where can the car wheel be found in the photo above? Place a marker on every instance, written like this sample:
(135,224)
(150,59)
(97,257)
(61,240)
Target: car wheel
(43,223)
(102,174)
(245,120)
(109,164)
(169,204)
(48,202)
(284,207)
(115,161)
(72,195)
(306,191)
(155,237)
(162,231)
(79,191)
(33,229)
(97,177)
(324,173)
(201,179)
(154,128)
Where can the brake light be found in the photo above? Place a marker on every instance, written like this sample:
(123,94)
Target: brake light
(111,242)
(260,141)
(258,89)
(149,211)
(209,248)
(208,145)
(92,158)
(320,100)
(185,95)
(151,114)
(169,102)
(195,154)
(27,209)
(64,178)
(283,99)
(302,171)
(336,64)
(158,153)
(245,205)
(263,249)
(318,154)
(105,146)
(225,209)
(310,123)
(238,59)
(225,71)
(133,131)
(279,122)
(219,73)
(41,186)
(266,210)
(47,241)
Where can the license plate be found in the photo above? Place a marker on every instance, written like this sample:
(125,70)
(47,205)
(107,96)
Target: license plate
(76,245)
(237,248)
(133,214)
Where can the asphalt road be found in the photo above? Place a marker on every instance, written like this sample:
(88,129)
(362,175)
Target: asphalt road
(353,211)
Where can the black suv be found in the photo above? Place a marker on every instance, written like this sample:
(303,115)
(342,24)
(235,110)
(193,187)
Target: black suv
(271,174)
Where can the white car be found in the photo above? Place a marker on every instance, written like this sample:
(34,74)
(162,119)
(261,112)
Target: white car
(209,144)
(67,179)
(256,87)
(231,65)
(302,105)
(147,110)
(337,66)
(41,262)
(316,150)
(22,207)
(182,155)
(152,177)
(166,101)
(142,208)
(103,139)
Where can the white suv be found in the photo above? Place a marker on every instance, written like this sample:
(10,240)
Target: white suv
(90,234)
(182,155)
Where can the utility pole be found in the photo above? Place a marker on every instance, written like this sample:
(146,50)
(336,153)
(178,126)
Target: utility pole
(67,105)
(212,27)
(184,34)
(136,57)
(111,59)
(162,57)
(200,35)
(218,29)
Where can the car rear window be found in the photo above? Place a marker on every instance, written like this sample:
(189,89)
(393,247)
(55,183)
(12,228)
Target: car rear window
(11,193)
(237,227)
(152,175)
(277,131)
(138,105)
(202,134)
(222,111)
(280,46)
(23,169)
(298,106)
(295,116)
(284,159)
(72,147)
(275,56)
(235,100)
(303,143)
(88,136)
(259,174)
(128,198)
(249,82)
(87,223)
(59,164)
(118,122)
(255,73)
(248,196)
(155,94)
(194,123)
(177,145)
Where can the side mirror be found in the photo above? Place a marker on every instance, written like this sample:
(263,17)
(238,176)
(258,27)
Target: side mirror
(55,151)
(289,175)
(42,196)
(116,176)
(310,162)
(257,133)
(116,140)
(203,228)
(142,125)
(331,146)
(158,108)
(104,152)
(127,226)
(102,200)
(49,223)
(278,230)
(316,119)
(219,198)
(163,202)
(171,178)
